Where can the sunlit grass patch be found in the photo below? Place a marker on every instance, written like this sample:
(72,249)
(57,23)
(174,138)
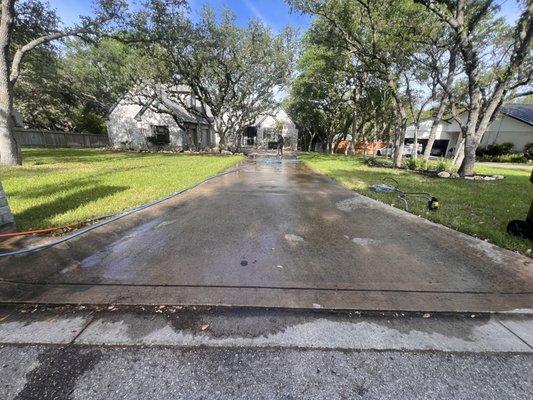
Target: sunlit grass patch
(479,208)
(56,187)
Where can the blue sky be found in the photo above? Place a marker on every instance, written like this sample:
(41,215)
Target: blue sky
(273,12)
(276,13)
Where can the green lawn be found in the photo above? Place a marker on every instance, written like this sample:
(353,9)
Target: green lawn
(56,187)
(479,208)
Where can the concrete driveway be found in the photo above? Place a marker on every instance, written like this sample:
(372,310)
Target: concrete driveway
(274,234)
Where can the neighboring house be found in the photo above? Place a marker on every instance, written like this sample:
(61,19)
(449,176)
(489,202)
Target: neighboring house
(264,132)
(513,124)
(135,122)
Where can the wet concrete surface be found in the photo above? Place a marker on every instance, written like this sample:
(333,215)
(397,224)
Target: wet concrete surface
(274,234)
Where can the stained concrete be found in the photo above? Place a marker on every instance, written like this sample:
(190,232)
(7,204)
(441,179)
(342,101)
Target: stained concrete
(260,328)
(42,328)
(305,331)
(274,234)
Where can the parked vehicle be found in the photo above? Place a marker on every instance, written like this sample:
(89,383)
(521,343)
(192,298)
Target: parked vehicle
(407,150)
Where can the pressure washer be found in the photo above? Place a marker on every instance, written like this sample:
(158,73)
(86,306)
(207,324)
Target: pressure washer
(432,202)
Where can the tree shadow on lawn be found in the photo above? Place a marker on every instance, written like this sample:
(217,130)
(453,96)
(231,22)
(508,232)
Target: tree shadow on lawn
(86,156)
(65,185)
(41,214)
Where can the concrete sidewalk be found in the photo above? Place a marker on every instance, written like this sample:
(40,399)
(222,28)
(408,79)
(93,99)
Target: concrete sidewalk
(169,326)
(274,234)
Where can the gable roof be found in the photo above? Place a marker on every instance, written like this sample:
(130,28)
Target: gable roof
(521,112)
(274,114)
(165,99)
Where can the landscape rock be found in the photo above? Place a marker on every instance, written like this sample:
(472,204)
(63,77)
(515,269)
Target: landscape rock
(455,175)
(498,176)
(489,178)
(470,178)
(226,153)
(478,178)
(443,174)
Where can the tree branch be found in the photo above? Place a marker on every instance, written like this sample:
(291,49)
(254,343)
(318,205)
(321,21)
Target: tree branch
(21,52)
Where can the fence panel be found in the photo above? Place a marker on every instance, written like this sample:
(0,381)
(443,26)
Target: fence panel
(43,138)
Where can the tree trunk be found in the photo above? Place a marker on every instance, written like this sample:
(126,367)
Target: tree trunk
(459,153)
(398,149)
(399,138)
(221,133)
(310,146)
(401,122)
(471,142)
(434,126)
(9,150)
(469,160)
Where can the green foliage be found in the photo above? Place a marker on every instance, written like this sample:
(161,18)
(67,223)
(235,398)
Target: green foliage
(503,153)
(234,71)
(445,164)
(90,122)
(60,83)
(378,162)
(354,59)
(528,150)
(505,158)
(74,185)
(496,149)
(478,208)
(416,164)
(420,164)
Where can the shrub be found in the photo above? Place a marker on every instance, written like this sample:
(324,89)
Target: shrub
(415,163)
(496,149)
(378,162)
(508,158)
(528,150)
(445,164)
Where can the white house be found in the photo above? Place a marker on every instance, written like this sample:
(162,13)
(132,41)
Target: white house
(135,122)
(513,124)
(263,134)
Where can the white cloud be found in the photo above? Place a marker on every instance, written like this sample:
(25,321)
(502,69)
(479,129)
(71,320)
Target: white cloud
(255,11)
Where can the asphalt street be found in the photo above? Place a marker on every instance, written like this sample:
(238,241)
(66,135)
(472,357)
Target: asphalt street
(73,372)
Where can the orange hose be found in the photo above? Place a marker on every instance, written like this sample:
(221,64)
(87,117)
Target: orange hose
(34,232)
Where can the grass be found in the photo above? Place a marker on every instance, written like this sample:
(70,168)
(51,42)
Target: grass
(479,208)
(56,187)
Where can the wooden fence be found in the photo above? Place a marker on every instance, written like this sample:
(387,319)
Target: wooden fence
(43,138)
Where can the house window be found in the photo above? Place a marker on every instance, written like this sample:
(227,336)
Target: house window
(267,133)
(161,134)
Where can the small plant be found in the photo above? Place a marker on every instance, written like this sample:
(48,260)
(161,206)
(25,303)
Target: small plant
(416,164)
(445,164)
(375,162)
